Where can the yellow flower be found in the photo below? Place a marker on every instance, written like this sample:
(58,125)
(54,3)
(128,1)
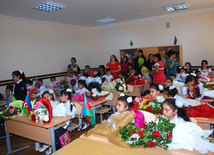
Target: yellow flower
(141,106)
(145,106)
(124,90)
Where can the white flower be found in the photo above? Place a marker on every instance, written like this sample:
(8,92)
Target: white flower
(134,138)
(94,95)
(152,104)
(120,88)
(129,99)
(46,118)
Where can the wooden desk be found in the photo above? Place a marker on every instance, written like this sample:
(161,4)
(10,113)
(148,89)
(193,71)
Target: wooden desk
(87,147)
(93,105)
(156,150)
(24,127)
(136,90)
(3,103)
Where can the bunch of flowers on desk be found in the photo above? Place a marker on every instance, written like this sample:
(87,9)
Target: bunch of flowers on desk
(193,92)
(90,96)
(148,104)
(64,84)
(117,85)
(10,112)
(154,134)
(40,114)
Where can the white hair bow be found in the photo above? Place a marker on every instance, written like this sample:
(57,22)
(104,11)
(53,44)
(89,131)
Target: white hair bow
(178,103)
(160,87)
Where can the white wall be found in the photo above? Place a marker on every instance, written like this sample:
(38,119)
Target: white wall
(194,31)
(41,48)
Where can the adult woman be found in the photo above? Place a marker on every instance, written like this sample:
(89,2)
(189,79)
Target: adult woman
(73,67)
(170,63)
(114,65)
(136,65)
(101,71)
(150,62)
(206,71)
(158,69)
(89,71)
(188,67)
(124,62)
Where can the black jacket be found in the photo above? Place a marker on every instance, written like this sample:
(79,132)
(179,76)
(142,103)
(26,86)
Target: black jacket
(20,91)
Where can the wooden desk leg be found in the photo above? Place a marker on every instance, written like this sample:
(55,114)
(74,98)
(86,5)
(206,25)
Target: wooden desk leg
(140,91)
(53,143)
(9,150)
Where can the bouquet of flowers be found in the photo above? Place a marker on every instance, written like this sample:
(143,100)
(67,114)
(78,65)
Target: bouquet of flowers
(148,104)
(154,134)
(40,114)
(64,84)
(10,112)
(121,86)
(33,91)
(115,86)
(193,92)
(94,97)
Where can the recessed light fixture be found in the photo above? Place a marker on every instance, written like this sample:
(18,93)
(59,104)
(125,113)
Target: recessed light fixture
(106,20)
(48,6)
(176,7)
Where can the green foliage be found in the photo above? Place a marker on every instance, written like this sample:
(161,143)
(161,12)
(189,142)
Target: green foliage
(154,134)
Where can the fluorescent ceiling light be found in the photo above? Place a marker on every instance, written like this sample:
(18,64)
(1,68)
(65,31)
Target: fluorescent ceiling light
(106,20)
(176,7)
(48,6)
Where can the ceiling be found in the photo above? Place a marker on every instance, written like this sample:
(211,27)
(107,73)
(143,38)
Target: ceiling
(85,12)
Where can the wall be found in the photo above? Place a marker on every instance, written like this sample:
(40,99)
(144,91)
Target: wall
(194,32)
(41,48)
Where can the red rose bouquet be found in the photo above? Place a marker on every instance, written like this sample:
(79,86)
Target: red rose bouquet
(154,134)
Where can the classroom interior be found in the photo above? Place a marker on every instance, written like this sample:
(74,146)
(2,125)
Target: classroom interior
(39,47)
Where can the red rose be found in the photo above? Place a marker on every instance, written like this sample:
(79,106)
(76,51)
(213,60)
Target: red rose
(147,102)
(15,112)
(151,144)
(6,114)
(156,134)
(160,111)
(148,109)
(97,96)
(10,108)
(169,135)
(140,133)
(132,132)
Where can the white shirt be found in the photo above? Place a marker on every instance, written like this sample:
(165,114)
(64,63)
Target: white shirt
(205,72)
(176,120)
(186,103)
(68,105)
(160,99)
(109,77)
(42,88)
(82,91)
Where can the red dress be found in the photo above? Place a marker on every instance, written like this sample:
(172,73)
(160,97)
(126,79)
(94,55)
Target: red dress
(113,67)
(159,77)
(124,67)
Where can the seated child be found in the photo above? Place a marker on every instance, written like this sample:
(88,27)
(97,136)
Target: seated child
(181,76)
(175,111)
(82,87)
(53,82)
(155,92)
(29,83)
(42,87)
(186,135)
(175,82)
(74,85)
(9,89)
(171,92)
(50,96)
(108,75)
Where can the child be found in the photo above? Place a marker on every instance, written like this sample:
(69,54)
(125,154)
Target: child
(181,76)
(108,75)
(81,87)
(9,89)
(19,89)
(42,87)
(155,91)
(50,96)
(89,71)
(53,82)
(175,111)
(29,83)
(168,82)
(74,85)
(171,92)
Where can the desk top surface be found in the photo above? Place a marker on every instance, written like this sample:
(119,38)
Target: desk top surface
(55,121)
(85,147)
